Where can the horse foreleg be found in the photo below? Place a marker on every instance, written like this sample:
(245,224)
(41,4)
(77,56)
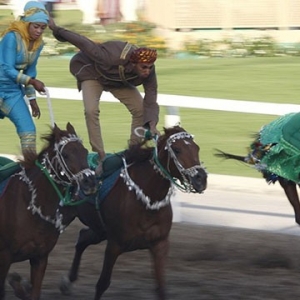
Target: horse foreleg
(112,252)
(22,290)
(159,254)
(37,273)
(86,238)
(2,286)
(290,190)
(4,267)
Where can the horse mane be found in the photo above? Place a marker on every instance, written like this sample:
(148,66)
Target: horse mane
(171,130)
(138,152)
(143,151)
(50,138)
(28,160)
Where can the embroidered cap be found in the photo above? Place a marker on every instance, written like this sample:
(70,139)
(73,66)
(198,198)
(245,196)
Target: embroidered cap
(35,12)
(143,55)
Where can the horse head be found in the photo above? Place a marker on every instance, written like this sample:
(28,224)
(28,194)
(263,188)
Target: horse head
(179,156)
(65,158)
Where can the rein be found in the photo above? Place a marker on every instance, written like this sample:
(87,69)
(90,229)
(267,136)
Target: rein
(64,200)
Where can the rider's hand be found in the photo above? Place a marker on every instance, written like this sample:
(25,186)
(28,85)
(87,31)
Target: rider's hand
(153,129)
(51,24)
(35,109)
(38,85)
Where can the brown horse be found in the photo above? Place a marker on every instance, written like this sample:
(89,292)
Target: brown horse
(32,211)
(137,212)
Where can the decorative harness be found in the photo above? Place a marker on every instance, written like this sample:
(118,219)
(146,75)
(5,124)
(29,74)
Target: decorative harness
(56,170)
(186,185)
(185,173)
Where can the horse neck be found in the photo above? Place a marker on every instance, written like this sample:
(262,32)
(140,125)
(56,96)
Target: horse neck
(147,179)
(156,174)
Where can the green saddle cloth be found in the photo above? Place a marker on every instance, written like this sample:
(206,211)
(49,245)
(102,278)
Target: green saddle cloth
(111,163)
(7,167)
(283,158)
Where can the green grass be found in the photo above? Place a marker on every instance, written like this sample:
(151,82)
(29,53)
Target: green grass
(212,129)
(256,79)
(252,79)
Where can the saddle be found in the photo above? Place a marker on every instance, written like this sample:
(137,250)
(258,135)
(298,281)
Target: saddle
(111,163)
(111,168)
(8,167)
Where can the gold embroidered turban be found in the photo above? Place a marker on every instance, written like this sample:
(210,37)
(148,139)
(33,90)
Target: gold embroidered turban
(143,55)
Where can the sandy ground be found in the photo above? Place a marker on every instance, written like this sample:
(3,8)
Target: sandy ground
(204,263)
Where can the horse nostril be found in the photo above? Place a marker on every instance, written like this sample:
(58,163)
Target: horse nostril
(89,184)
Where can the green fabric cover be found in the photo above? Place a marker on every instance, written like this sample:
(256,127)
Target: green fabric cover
(7,167)
(4,160)
(283,158)
(271,133)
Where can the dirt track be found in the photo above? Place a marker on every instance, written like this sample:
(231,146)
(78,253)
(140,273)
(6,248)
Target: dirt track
(204,263)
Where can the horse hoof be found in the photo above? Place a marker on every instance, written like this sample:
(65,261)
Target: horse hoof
(65,286)
(21,287)
(26,285)
(14,277)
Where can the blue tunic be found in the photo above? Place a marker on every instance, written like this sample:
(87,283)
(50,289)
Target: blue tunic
(17,66)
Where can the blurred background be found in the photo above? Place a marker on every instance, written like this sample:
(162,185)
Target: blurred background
(187,27)
(225,49)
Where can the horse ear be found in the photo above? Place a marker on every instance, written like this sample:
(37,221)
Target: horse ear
(70,128)
(55,128)
(56,132)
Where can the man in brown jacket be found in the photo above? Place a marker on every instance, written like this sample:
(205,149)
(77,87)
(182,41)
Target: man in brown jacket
(117,67)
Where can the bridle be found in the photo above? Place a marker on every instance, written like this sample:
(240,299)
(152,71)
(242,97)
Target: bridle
(57,172)
(186,173)
(57,168)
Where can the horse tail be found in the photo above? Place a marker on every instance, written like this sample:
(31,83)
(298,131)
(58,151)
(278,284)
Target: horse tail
(225,155)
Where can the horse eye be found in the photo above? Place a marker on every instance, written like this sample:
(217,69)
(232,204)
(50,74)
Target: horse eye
(176,150)
(64,155)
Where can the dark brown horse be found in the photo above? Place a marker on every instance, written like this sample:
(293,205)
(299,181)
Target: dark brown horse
(137,212)
(32,212)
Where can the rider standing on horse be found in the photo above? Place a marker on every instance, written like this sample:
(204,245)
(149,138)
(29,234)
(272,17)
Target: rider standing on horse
(20,49)
(117,67)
